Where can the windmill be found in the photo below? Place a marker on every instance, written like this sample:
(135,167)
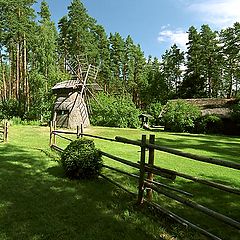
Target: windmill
(71,106)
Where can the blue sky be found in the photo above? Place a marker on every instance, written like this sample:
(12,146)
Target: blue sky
(155,24)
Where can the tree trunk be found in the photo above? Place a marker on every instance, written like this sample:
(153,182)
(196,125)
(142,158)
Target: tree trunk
(4,93)
(17,71)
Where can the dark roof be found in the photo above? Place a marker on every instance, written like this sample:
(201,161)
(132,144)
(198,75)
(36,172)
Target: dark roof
(145,115)
(204,103)
(208,106)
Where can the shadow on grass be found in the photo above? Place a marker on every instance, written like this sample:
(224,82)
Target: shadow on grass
(217,200)
(37,202)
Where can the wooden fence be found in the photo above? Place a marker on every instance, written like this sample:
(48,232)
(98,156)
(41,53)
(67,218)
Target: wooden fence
(147,170)
(4,132)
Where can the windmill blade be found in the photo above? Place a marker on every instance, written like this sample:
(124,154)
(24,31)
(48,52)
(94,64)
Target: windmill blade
(95,99)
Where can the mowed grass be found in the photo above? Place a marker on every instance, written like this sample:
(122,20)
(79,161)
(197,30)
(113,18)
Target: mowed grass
(215,146)
(37,202)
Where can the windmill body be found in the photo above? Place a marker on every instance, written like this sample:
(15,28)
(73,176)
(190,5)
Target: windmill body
(70,108)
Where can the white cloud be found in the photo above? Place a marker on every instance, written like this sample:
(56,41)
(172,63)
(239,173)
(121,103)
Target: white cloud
(178,37)
(221,13)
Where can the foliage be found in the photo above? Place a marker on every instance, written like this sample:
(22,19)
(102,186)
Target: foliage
(10,108)
(235,113)
(179,116)
(18,121)
(114,111)
(81,160)
(33,57)
(154,109)
(172,62)
(209,124)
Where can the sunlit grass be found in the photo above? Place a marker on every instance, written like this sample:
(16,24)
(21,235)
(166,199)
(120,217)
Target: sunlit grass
(37,202)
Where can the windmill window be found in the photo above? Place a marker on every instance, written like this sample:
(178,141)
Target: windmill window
(62,112)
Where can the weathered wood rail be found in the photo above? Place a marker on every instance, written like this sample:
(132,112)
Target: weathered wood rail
(4,132)
(147,170)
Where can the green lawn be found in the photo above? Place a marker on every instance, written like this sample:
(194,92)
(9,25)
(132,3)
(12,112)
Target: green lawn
(37,202)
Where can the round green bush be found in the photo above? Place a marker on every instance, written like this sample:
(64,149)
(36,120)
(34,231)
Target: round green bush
(114,111)
(180,116)
(81,160)
(209,124)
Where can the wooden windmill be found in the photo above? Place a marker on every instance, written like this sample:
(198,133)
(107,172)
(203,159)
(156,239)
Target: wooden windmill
(71,108)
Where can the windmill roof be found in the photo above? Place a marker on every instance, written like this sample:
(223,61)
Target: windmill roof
(70,84)
(74,84)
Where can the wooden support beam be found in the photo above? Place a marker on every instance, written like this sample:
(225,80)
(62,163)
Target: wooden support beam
(160,171)
(121,160)
(50,135)
(150,163)
(183,221)
(142,171)
(199,207)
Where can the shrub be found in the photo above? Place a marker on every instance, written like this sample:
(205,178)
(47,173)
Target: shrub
(180,116)
(81,160)
(154,110)
(10,108)
(235,114)
(209,124)
(114,111)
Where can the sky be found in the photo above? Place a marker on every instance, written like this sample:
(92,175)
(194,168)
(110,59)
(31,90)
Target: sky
(154,24)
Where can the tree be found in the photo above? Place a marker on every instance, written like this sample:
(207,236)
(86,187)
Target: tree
(17,18)
(172,63)
(210,61)
(193,83)
(117,59)
(44,72)
(230,41)
(81,32)
(103,45)
(156,89)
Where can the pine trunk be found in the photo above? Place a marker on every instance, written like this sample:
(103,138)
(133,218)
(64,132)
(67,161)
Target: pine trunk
(17,71)
(4,91)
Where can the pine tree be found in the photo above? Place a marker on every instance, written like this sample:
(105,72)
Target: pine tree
(193,83)
(230,41)
(81,32)
(172,63)
(104,57)
(156,89)
(209,61)
(18,21)
(117,59)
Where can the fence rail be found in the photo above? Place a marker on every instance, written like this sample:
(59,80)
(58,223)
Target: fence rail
(4,132)
(147,170)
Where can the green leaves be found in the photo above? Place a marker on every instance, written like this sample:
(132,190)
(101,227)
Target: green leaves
(113,111)
(179,116)
(81,159)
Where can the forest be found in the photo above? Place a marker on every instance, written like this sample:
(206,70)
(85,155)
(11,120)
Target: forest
(33,55)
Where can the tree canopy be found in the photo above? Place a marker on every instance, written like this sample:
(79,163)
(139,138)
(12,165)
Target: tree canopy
(33,55)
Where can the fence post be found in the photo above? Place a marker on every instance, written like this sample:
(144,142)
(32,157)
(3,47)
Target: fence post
(5,134)
(50,139)
(142,171)
(54,136)
(81,130)
(151,164)
(78,132)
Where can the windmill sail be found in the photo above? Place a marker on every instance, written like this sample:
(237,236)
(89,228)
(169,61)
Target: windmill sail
(70,109)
